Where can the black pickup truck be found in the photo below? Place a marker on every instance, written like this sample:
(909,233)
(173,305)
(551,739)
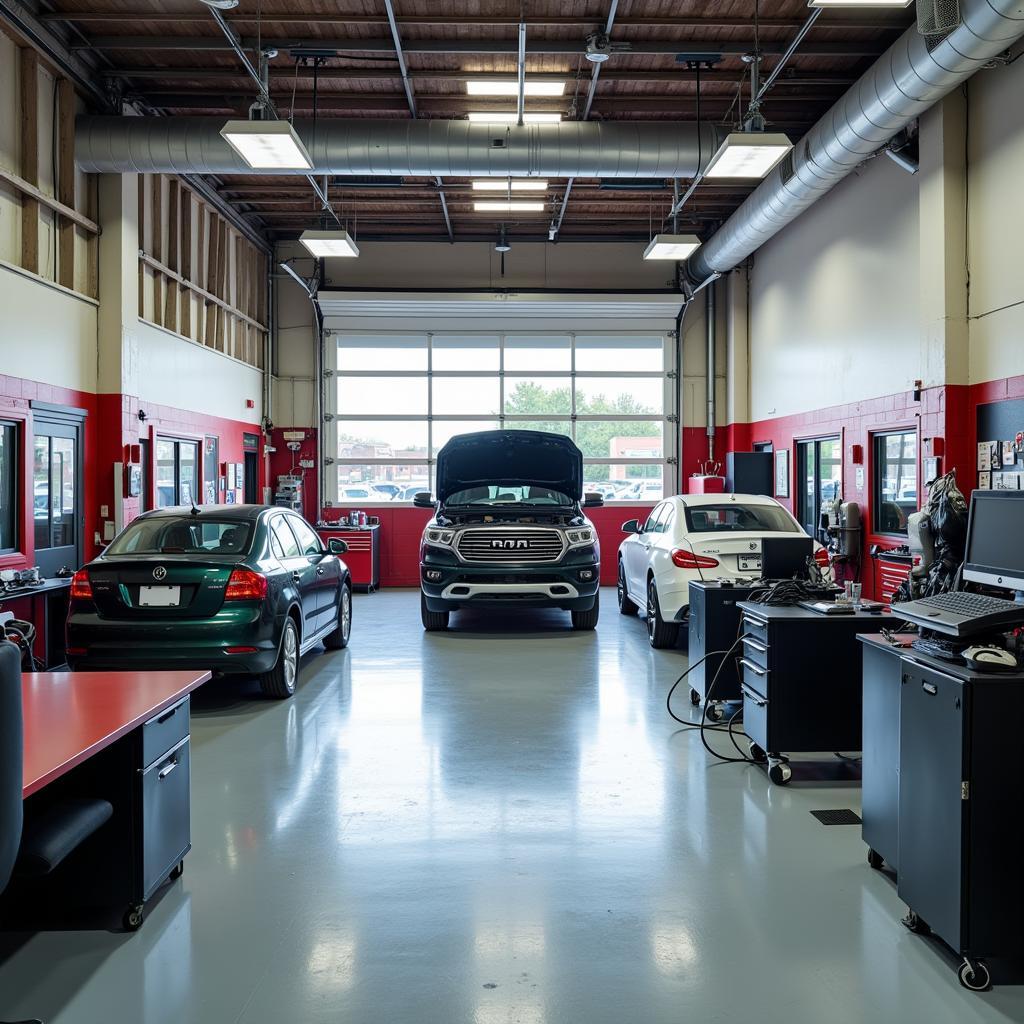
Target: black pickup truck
(509,528)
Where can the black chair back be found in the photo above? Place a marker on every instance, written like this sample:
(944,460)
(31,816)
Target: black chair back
(11,740)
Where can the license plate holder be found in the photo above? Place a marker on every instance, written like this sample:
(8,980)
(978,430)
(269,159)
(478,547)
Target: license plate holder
(750,563)
(159,597)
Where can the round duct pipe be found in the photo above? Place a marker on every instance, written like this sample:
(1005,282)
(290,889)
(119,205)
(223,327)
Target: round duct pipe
(909,78)
(176,145)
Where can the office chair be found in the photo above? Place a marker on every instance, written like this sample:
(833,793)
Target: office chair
(40,847)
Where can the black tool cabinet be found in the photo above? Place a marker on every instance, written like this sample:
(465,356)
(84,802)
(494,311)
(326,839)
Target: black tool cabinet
(801,682)
(960,828)
(714,626)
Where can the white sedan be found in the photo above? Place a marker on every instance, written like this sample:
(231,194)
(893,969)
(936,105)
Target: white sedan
(695,537)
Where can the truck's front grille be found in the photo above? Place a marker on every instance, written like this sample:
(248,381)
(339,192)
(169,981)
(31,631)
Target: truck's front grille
(510,546)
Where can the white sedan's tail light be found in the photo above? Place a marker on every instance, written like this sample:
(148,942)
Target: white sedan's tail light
(684,559)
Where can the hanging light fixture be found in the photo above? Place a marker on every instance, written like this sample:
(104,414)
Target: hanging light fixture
(267,145)
(671,247)
(502,245)
(329,243)
(749,154)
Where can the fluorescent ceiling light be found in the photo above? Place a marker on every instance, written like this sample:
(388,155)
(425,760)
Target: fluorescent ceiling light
(511,88)
(671,247)
(267,145)
(329,243)
(502,184)
(508,207)
(501,117)
(748,155)
(859,3)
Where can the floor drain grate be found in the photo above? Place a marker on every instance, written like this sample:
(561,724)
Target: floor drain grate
(841,816)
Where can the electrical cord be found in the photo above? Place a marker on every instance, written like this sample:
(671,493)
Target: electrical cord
(742,759)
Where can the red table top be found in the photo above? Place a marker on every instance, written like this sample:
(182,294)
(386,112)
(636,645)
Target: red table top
(69,716)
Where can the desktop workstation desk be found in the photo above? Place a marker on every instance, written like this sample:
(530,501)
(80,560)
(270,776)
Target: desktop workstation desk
(801,681)
(122,736)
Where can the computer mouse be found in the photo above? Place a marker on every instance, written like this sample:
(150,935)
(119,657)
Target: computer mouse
(990,659)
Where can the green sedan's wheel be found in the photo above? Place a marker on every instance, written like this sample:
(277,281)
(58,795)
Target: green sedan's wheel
(280,681)
(339,638)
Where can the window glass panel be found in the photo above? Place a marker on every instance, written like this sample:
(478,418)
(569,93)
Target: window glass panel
(285,537)
(62,491)
(628,482)
(563,427)
(41,490)
(372,396)
(444,430)
(465,352)
(165,489)
(364,484)
(542,396)
(382,439)
(531,353)
(188,482)
(633,353)
(618,439)
(309,542)
(382,352)
(8,487)
(895,480)
(631,395)
(461,396)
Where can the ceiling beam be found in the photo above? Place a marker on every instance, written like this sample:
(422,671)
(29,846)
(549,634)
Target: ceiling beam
(241,17)
(155,44)
(284,78)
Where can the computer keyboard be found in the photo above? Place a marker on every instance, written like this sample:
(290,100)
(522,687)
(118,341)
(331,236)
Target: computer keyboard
(961,613)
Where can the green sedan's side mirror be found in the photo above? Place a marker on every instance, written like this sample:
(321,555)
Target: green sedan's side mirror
(422,499)
(337,546)
(631,526)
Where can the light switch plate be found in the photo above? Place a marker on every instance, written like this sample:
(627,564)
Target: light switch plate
(104,511)
(108,530)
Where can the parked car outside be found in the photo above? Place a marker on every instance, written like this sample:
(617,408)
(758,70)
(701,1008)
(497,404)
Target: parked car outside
(695,537)
(235,589)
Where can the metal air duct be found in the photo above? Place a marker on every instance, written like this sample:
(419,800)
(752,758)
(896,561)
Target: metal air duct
(176,145)
(909,78)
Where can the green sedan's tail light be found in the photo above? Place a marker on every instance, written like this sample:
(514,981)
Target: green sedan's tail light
(81,588)
(245,585)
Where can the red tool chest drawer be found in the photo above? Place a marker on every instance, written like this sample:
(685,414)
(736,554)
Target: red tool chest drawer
(363,557)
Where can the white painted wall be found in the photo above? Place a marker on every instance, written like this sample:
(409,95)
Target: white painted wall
(47,333)
(169,370)
(834,298)
(995,219)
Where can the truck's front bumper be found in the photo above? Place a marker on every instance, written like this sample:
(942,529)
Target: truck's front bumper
(571,584)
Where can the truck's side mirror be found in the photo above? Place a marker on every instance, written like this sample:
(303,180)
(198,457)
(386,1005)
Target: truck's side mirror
(336,546)
(422,499)
(631,526)
(593,500)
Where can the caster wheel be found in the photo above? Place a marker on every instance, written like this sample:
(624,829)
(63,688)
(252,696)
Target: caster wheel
(132,919)
(780,773)
(178,870)
(694,697)
(974,976)
(756,753)
(914,924)
(876,860)
(713,713)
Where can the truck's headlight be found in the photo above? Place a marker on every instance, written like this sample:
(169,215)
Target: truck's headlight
(444,537)
(579,538)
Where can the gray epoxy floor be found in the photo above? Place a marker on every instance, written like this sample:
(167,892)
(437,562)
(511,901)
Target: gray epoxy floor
(494,826)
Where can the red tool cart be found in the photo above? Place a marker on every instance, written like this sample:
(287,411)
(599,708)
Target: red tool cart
(363,557)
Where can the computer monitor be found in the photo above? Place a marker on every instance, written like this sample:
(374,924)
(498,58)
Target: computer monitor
(995,539)
(785,557)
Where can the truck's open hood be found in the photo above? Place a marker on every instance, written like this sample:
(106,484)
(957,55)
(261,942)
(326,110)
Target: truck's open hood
(528,458)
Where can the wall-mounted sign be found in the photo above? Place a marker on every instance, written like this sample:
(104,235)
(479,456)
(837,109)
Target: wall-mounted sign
(782,473)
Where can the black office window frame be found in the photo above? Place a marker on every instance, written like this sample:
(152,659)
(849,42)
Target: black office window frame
(878,461)
(813,445)
(198,444)
(14,497)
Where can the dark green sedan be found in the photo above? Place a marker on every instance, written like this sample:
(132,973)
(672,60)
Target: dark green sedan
(235,589)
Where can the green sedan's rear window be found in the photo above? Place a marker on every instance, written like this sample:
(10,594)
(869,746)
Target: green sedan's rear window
(181,535)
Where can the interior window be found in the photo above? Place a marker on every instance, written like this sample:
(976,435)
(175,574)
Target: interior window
(309,542)
(8,487)
(177,476)
(895,480)
(285,537)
